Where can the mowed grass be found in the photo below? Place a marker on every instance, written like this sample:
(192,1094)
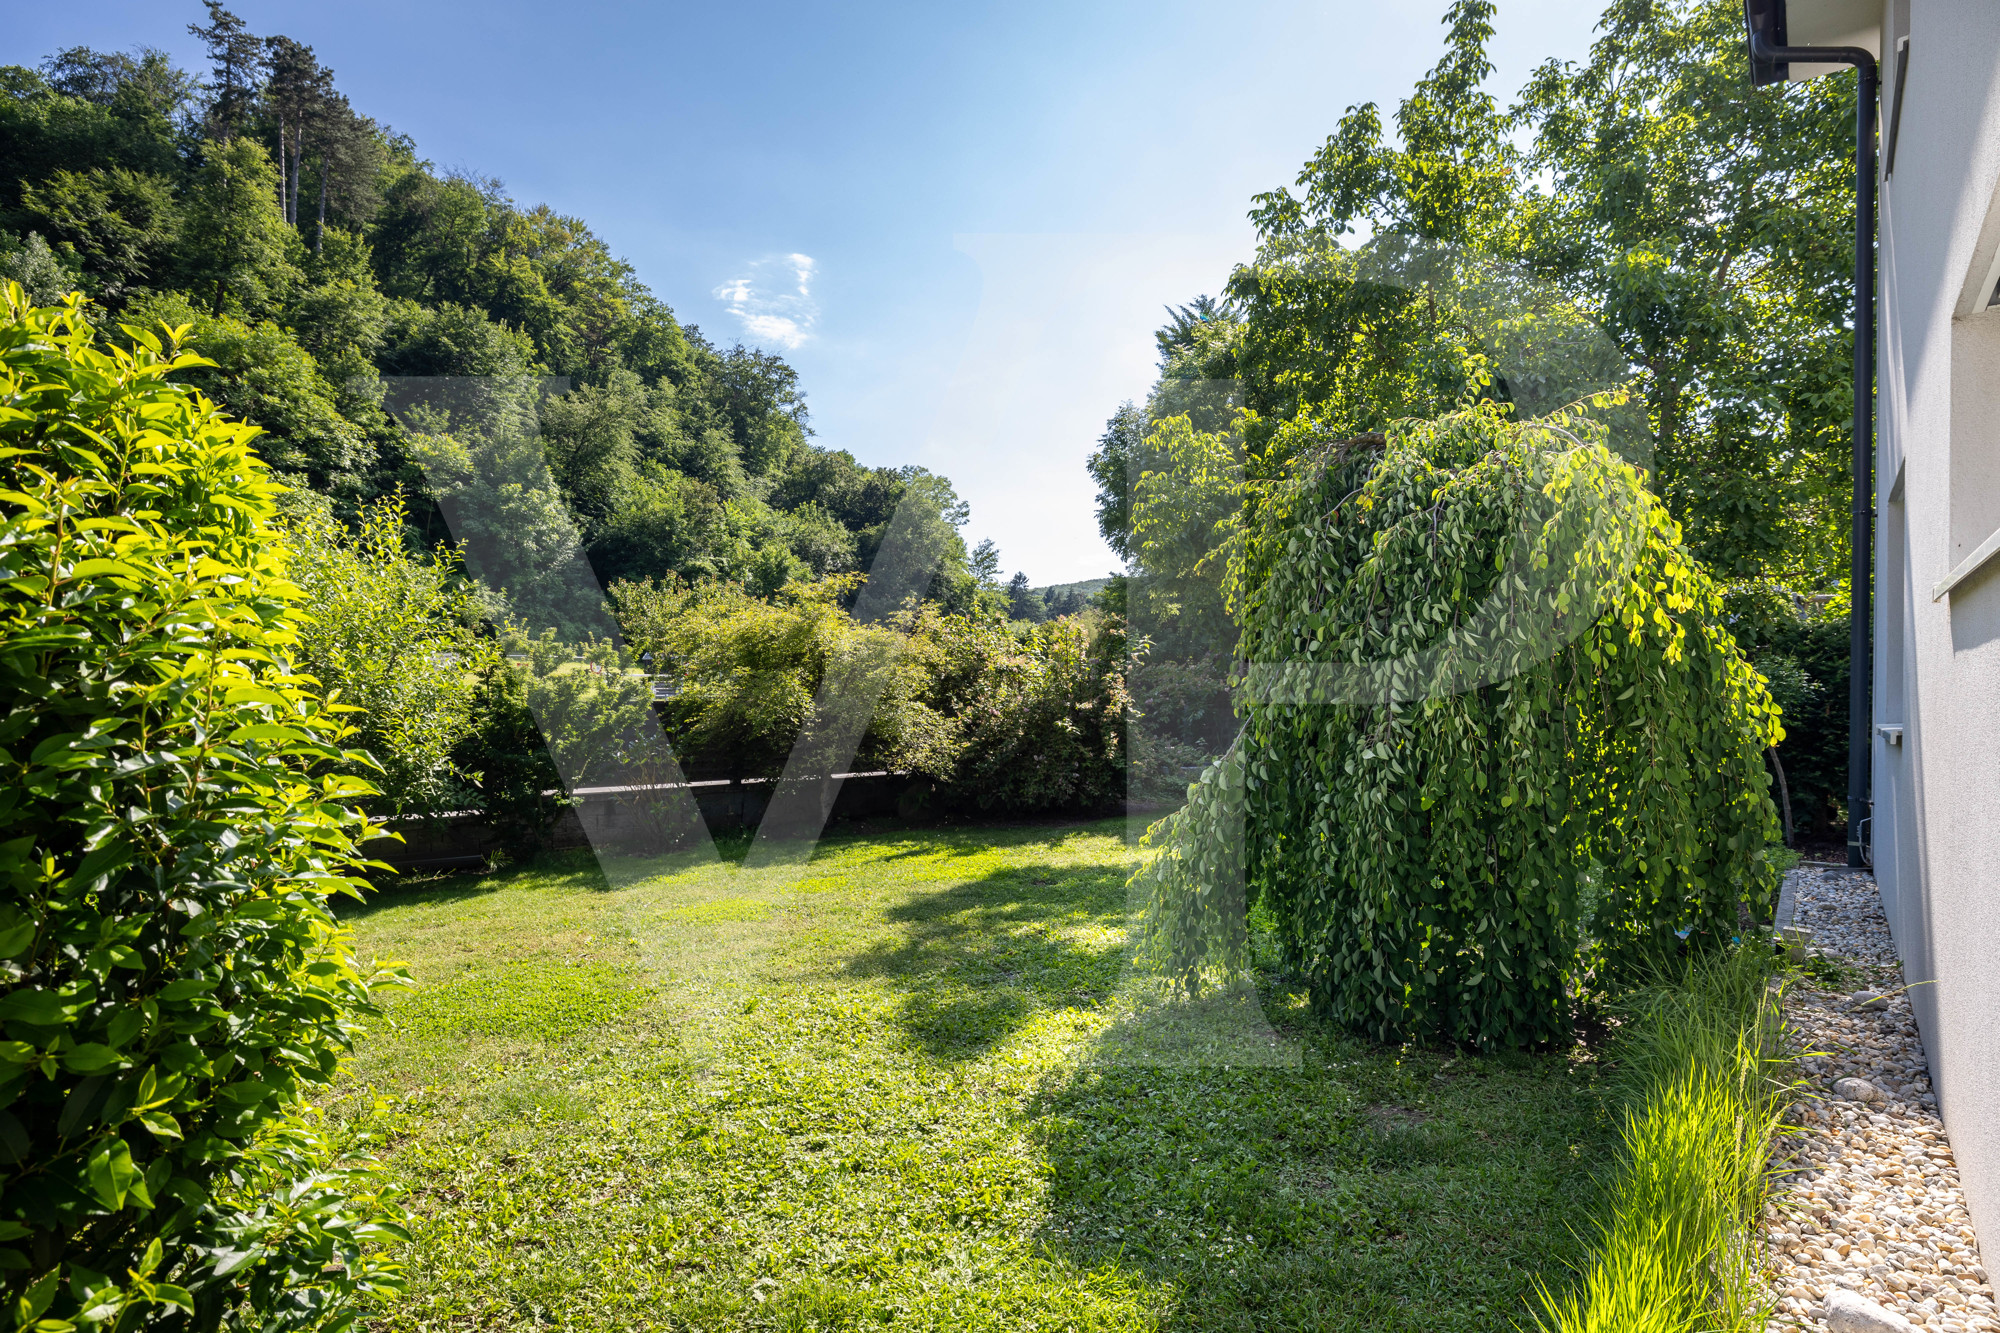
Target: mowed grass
(862,1095)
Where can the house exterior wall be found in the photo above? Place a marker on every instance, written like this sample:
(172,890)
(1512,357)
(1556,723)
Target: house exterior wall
(1936,815)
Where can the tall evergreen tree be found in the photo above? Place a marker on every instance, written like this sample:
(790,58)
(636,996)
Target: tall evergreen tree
(295,95)
(235,57)
(348,157)
(1022,604)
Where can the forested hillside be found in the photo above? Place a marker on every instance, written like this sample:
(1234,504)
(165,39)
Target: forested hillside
(315,253)
(345,290)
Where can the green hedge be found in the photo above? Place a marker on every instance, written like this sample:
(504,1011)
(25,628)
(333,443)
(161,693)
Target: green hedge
(171,824)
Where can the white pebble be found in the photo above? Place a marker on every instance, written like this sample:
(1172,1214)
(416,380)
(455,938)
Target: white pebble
(1873,1168)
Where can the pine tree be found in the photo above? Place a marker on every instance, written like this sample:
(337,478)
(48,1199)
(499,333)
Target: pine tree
(298,95)
(235,56)
(1022,602)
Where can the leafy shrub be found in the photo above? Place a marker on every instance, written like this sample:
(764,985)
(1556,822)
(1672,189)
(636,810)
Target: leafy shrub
(1196,934)
(1002,717)
(1801,644)
(1039,713)
(172,822)
(259,371)
(748,670)
(1547,685)
(397,637)
(593,707)
(519,790)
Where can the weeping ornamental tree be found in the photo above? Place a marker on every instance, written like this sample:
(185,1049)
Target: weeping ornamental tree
(1477,668)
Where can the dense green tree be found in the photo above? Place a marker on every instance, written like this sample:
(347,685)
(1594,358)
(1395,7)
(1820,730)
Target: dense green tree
(121,225)
(591,439)
(146,77)
(985,562)
(1114,465)
(430,233)
(338,310)
(236,59)
(862,498)
(818,539)
(757,397)
(43,131)
(1709,227)
(295,97)
(397,635)
(1703,226)
(1022,603)
(236,250)
(997,716)
(451,340)
(666,523)
(262,374)
(348,155)
(39,272)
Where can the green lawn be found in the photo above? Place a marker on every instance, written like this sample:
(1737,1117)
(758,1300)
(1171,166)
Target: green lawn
(872,1094)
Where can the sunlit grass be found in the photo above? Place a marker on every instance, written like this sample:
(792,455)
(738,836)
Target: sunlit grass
(871,1093)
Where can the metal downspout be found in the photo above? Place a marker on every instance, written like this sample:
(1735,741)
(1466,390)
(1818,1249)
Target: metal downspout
(1860,666)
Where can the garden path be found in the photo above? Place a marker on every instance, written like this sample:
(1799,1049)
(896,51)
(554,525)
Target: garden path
(1873,1204)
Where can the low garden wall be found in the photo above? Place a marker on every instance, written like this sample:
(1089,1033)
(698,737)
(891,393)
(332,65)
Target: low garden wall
(626,817)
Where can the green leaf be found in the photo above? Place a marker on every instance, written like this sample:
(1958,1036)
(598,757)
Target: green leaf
(16,937)
(33,1005)
(89,1057)
(227,1261)
(97,567)
(38,1297)
(112,1175)
(160,1124)
(98,865)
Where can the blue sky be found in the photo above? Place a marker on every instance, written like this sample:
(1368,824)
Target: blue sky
(960,222)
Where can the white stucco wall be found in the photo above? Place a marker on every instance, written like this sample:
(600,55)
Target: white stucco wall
(1937,796)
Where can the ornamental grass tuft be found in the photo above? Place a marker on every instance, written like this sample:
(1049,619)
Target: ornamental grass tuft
(1704,1083)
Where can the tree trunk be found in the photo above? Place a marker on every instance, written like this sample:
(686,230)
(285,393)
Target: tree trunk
(1784,792)
(282,194)
(298,153)
(319,236)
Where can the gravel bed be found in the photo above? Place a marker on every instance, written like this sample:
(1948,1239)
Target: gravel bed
(1869,1199)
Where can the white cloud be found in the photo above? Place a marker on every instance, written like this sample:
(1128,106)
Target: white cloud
(773,300)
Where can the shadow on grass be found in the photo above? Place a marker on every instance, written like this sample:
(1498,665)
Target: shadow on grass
(1372,1189)
(957,840)
(1364,1188)
(978,960)
(399,893)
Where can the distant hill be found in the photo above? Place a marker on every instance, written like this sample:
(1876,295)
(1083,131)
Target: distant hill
(1060,599)
(1087,589)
